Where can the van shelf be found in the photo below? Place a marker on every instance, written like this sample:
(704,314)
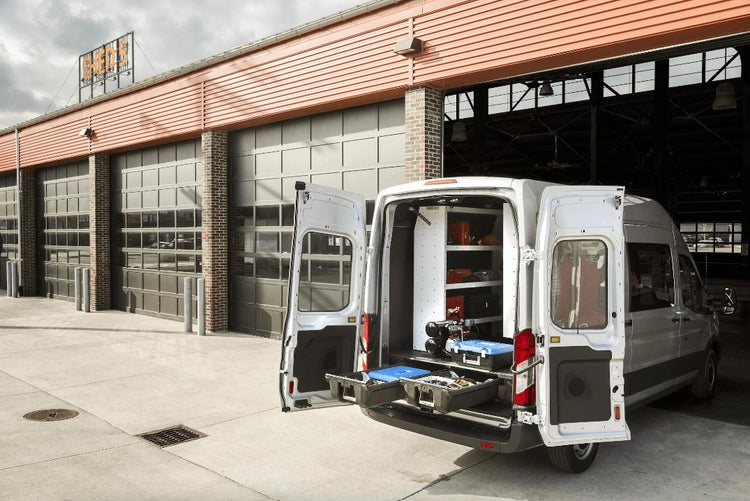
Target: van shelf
(476,248)
(486,320)
(473,285)
(472,211)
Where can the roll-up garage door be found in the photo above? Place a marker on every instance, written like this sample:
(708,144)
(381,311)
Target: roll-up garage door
(156,221)
(359,149)
(8,223)
(63,221)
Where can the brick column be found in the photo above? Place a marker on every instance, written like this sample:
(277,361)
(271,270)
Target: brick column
(216,229)
(100,233)
(27,220)
(423,131)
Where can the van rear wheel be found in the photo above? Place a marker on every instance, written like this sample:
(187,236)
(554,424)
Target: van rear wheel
(705,382)
(572,458)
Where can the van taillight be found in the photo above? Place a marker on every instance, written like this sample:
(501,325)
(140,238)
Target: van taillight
(524,350)
(366,340)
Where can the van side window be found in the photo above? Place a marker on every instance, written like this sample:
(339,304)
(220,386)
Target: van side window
(690,285)
(579,284)
(325,272)
(651,277)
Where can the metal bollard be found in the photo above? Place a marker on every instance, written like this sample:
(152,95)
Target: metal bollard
(77,277)
(201,306)
(86,290)
(8,278)
(14,279)
(188,304)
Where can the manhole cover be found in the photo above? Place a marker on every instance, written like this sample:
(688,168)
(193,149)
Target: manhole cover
(51,415)
(172,436)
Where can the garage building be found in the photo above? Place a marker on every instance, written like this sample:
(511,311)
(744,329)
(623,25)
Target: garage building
(191,173)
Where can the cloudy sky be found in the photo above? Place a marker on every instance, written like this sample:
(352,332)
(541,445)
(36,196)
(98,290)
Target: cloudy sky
(40,40)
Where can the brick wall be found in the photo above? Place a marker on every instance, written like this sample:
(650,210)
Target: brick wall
(423,130)
(28,231)
(216,229)
(100,236)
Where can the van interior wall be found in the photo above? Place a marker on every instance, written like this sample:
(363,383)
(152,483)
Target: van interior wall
(401,285)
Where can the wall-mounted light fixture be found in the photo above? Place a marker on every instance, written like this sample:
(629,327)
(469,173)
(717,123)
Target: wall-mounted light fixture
(408,46)
(725,99)
(87,131)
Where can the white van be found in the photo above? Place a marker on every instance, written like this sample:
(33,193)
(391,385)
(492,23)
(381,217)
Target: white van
(497,313)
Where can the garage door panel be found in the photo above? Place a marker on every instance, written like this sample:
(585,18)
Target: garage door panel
(359,149)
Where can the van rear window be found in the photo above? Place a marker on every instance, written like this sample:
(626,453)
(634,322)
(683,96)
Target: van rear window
(579,284)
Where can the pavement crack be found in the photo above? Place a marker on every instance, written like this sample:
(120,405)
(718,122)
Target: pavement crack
(446,477)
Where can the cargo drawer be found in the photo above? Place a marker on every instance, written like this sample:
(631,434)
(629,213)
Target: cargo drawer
(445,391)
(374,387)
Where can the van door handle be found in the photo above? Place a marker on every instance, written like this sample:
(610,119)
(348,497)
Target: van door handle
(629,323)
(678,318)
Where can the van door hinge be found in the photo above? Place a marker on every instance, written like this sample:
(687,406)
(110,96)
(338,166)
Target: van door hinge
(528,255)
(526,417)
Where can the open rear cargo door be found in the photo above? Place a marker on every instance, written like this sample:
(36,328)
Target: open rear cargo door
(321,329)
(579,315)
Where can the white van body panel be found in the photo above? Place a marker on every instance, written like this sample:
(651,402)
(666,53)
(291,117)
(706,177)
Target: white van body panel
(337,215)
(580,396)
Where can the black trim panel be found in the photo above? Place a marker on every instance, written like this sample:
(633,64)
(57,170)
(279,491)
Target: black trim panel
(318,352)
(643,379)
(519,437)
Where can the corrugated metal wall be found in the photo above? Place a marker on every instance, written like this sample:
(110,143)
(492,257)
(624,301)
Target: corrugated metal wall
(360,150)
(353,63)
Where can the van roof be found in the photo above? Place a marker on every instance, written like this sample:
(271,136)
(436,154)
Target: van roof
(644,211)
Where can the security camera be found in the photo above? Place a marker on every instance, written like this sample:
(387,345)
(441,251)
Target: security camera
(86,131)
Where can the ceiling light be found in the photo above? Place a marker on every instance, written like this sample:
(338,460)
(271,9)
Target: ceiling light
(546,89)
(725,99)
(458,135)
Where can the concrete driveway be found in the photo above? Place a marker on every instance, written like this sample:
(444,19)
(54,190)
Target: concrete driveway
(129,374)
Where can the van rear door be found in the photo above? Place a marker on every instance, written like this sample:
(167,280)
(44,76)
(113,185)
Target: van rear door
(578,316)
(321,329)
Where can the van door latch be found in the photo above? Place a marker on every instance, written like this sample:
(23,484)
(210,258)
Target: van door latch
(526,417)
(529,255)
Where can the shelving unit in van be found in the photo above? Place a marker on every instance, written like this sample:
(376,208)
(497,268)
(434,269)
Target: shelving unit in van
(458,265)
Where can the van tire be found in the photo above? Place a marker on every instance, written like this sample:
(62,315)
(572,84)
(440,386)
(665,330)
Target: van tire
(705,382)
(573,458)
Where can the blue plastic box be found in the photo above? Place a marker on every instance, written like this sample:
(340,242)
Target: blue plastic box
(396,372)
(479,353)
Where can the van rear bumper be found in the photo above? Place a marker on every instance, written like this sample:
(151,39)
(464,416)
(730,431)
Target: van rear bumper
(519,437)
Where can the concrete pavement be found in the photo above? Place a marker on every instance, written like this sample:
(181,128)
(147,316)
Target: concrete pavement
(129,374)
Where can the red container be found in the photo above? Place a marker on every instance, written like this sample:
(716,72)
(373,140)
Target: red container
(459,233)
(454,308)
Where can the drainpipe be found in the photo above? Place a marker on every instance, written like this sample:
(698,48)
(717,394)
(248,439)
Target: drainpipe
(18,204)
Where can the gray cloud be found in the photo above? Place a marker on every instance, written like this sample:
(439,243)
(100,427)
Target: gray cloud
(43,39)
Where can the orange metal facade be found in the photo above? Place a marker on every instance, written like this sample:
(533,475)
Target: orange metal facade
(352,62)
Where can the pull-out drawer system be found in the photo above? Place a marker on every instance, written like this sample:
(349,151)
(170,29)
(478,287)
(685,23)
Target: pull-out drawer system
(442,390)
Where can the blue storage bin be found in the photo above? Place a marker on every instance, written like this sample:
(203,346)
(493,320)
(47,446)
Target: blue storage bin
(396,372)
(479,353)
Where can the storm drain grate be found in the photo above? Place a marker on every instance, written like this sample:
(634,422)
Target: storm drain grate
(172,436)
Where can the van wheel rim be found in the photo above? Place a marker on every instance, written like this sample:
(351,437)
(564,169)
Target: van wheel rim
(582,451)
(710,374)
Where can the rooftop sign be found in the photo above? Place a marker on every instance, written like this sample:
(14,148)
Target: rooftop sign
(109,66)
